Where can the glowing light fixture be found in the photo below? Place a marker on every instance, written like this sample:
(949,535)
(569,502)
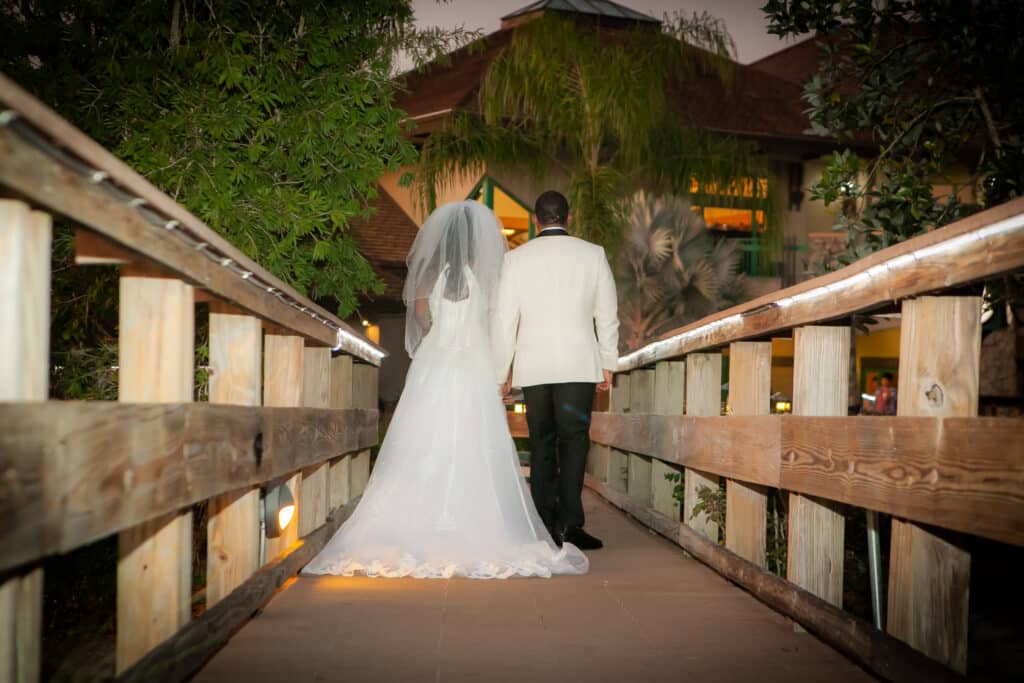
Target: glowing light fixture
(508,232)
(278,510)
(519,409)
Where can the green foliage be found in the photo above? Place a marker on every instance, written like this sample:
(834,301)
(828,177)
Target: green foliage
(933,86)
(671,271)
(272,120)
(679,490)
(568,100)
(711,501)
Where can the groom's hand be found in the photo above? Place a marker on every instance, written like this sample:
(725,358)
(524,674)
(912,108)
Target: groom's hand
(506,391)
(607,383)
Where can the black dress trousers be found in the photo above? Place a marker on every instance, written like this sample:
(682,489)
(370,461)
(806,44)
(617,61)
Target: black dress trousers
(558,416)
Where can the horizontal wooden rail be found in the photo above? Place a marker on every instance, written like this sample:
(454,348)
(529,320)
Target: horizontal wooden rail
(965,474)
(74,472)
(48,183)
(872,648)
(979,246)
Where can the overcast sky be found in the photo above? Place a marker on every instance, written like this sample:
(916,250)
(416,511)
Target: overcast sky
(743,18)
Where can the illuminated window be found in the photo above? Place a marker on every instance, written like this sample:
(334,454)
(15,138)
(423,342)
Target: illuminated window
(733,219)
(513,213)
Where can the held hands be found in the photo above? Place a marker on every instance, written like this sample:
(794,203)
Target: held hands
(506,390)
(607,383)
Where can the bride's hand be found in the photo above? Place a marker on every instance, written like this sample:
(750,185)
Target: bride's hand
(506,391)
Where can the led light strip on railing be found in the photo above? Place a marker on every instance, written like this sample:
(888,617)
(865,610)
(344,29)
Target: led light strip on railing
(668,348)
(345,340)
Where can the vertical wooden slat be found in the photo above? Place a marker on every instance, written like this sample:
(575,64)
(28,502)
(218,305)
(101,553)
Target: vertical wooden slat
(618,461)
(703,399)
(282,387)
(156,357)
(364,395)
(25,239)
(316,393)
(929,576)
(236,376)
(641,400)
(821,379)
(338,476)
(746,505)
(669,397)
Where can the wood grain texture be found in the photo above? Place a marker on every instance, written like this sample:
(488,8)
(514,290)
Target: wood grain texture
(316,393)
(746,518)
(598,461)
(641,391)
(914,267)
(359,472)
(365,380)
(36,175)
(338,483)
(703,399)
(180,657)
(821,377)
(236,357)
(929,577)
(25,238)
(669,399)
(639,478)
(618,470)
(341,382)
(618,401)
(156,335)
(719,445)
(233,527)
(669,388)
(84,470)
(282,386)
(879,653)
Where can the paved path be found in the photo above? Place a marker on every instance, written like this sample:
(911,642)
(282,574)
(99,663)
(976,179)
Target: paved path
(646,612)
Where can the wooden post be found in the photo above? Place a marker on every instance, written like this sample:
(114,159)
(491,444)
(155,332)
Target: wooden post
(929,576)
(156,358)
(618,461)
(641,400)
(341,398)
(746,505)
(817,527)
(316,393)
(703,399)
(282,387)
(364,395)
(25,238)
(669,397)
(236,375)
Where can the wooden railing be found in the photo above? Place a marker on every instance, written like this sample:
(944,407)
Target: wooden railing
(282,409)
(936,466)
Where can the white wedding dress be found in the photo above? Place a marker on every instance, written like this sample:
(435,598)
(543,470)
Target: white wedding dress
(447,497)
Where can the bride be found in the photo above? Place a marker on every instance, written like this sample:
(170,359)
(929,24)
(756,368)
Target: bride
(446,497)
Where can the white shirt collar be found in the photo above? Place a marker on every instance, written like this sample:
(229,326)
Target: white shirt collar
(552,227)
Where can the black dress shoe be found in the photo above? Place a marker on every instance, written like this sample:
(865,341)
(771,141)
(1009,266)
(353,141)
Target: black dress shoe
(582,540)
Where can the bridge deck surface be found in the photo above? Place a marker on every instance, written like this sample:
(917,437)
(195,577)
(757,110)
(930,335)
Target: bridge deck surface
(645,612)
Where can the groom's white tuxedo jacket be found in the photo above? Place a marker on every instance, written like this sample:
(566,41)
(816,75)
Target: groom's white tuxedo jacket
(555,316)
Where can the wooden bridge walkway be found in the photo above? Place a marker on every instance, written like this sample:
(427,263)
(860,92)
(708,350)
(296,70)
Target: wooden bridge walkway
(292,412)
(645,612)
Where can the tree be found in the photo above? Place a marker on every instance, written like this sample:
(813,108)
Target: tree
(570,99)
(931,84)
(272,120)
(671,271)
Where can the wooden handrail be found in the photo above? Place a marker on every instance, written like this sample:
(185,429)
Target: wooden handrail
(49,182)
(965,474)
(90,469)
(979,246)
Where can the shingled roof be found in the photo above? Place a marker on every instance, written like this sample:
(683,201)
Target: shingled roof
(384,241)
(598,8)
(757,105)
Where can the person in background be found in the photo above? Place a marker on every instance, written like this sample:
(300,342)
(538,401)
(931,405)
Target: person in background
(885,396)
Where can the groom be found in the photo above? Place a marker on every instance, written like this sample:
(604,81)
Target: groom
(556,325)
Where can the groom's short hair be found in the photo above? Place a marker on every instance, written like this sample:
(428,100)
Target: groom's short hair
(551,207)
